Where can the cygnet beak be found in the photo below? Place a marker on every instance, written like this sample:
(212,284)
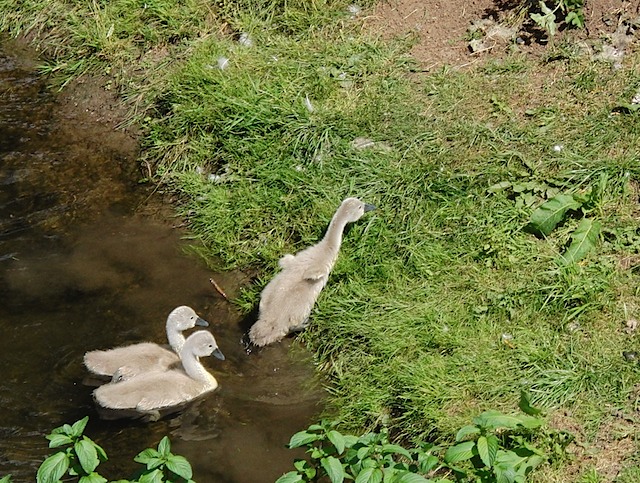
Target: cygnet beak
(368,207)
(218,354)
(201,322)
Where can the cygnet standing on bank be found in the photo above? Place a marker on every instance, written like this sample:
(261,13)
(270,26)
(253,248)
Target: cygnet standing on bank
(286,302)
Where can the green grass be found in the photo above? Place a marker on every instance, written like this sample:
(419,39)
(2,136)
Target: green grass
(441,303)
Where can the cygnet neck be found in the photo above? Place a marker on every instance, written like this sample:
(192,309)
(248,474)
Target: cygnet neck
(195,370)
(175,337)
(333,237)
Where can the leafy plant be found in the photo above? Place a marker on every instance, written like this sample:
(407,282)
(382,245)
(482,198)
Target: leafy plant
(546,19)
(495,448)
(494,454)
(556,208)
(552,212)
(162,465)
(78,457)
(368,458)
(549,214)
(571,11)
(583,240)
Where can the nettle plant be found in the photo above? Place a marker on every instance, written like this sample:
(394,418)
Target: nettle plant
(496,448)
(368,458)
(78,458)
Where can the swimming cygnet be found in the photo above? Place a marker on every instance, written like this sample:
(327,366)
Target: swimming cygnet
(145,356)
(161,389)
(286,302)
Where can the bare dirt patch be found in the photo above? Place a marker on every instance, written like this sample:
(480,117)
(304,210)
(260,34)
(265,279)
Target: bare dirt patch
(614,442)
(439,27)
(443,29)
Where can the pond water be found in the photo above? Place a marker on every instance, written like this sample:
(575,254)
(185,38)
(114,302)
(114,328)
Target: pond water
(89,259)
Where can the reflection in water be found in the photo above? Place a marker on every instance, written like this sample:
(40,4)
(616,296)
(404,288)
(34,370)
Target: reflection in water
(85,263)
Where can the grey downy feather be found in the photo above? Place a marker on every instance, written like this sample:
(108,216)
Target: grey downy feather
(286,302)
(160,389)
(145,356)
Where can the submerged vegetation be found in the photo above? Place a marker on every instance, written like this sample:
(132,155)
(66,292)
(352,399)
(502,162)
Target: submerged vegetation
(505,250)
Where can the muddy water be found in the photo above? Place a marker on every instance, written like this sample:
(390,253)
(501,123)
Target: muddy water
(88,260)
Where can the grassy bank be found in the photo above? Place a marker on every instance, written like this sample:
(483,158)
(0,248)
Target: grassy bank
(443,302)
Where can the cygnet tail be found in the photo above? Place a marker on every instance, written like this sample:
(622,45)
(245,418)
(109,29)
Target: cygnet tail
(98,362)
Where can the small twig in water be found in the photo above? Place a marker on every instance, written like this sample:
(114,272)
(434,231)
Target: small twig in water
(218,289)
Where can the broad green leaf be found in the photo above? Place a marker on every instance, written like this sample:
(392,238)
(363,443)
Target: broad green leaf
(78,427)
(350,440)
(397,449)
(460,452)
(412,478)
(465,431)
(547,216)
(367,438)
(530,422)
(102,455)
(53,468)
(389,474)
(428,463)
(488,449)
(303,438)
(57,440)
(495,420)
(504,473)
(575,18)
(6,479)
(525,404)
(93,478)
(369,463)
(153,463)
(146,455)
(532,462)
(546,21)
(363,452)
(87,455)
(583,240)
(483,451)
(291,477)
(154,477)
(304,468)
(509,458)
(180,466)
(164,447)
(369,475)
(334,469)
(337,440)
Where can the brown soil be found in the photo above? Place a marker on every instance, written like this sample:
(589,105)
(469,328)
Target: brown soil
(441,29)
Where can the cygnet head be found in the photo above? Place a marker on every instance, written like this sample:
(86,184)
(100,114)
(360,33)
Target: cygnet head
(352,209)
(202,344)
(183,318)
